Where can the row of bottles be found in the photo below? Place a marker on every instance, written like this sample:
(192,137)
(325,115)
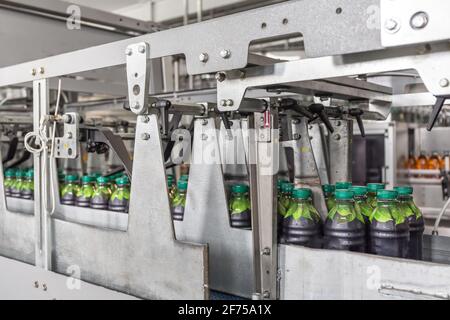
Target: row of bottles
(177,196)
(360,218)
(95,191)
(19,183)
(435,161)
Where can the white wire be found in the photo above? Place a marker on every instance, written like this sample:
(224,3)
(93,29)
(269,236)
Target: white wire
(438,220)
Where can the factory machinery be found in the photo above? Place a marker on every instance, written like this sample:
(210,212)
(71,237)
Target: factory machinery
(262,119)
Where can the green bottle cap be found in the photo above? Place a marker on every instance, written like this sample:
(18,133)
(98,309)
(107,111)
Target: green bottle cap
(280,183)
(123,181)
(61,176)
(404,190)
(344,194)
(343,185)
(374,187)
(302,193)
(184,177)
(387,195)
(239,188)
(29,174)
(87,179)
(20,173)
(359,191)
(287,187)
(169,183)
(102,180)
(10,173)
(328,188)
(182,185)
(96,175)
(71,178)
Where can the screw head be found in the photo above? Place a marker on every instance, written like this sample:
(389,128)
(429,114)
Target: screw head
(444,82)
(221,76)
(141,49)
(204,137)
(229,103)
(36,284)
(69,135)
(145,119)
(129,51)
(337,137)
(33,72)
(391,25)
(41,70)
(419,20)
(203,57)
(204,122)
(145,136)
(223,102)
(136,105)
(225,53)
(266,251)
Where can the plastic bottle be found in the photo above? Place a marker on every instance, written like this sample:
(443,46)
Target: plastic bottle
(344,226)
(343,185)
(27,188)
(389,229)
(372,190)
(302,224)
(328,191)
(179,201)
(284,199)
(120,198)
(434,163)
(16,188)
(415,221)
(85,193)
(69,192)
(10,179)
(240,213)
(101,195)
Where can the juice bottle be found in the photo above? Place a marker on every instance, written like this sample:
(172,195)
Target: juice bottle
(69,192)
(434,163)
(240,213)
(302,224)
(120,198)
(284,199)
(179,201)
(372,190)
(415,221)
(27,188)
(85,193)
(10,178)
(16,188)
(344,227)
(328,191)
(101,195)
(389,229)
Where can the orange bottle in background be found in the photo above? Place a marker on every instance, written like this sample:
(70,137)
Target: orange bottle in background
(422,161)
(411,161)
(434,162)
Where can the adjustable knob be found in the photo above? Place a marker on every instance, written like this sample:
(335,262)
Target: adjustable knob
(357,113)
(319,110)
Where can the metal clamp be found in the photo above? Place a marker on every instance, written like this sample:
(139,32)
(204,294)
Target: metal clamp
(138,76)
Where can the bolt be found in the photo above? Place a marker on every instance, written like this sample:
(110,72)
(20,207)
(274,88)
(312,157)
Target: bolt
(444,82)
(338,123)
(295,121)
(223,102)
(266,295)
(33,72)
(136,105)
(262,136)
(337,137)
(297,136)
(203,57)
(44,287)
(129,51)
(266,252)
(204,137)
(36,284)
(204,122)
(229,103)
(221,76)
(225,53)
(69,135)
(419,20)
(41,70)
(141,49)
(145,136)
(145,119)
(391,25)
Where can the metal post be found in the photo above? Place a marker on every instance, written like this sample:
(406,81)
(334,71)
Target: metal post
(265,150)
(41,170)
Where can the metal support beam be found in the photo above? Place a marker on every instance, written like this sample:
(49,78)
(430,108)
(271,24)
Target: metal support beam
(41,169)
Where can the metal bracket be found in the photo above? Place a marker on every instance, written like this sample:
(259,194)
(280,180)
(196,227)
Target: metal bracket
(67,146)
(138,76)
(406,22)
